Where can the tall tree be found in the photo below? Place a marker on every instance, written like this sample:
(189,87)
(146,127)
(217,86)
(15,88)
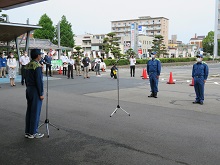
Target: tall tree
(47,30)
(110,44)
(66,33)
(130,52)
(208,43)
(79,50)
(158,45)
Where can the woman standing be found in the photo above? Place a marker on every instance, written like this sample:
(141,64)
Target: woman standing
(132,61)
(12,64)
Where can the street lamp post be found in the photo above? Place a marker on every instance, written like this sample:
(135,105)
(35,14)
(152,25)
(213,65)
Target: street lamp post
(216,30)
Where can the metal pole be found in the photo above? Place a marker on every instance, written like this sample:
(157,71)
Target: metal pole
(215,53)
(58,35)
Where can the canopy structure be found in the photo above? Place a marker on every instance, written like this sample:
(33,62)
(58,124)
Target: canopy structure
(11,4)
(10,31)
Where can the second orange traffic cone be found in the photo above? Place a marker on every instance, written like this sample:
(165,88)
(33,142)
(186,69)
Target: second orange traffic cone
(192,84)
(145,74)
(60,72)
(171,79)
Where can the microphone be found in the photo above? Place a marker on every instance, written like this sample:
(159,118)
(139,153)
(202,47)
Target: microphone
(43,62)
(47,63)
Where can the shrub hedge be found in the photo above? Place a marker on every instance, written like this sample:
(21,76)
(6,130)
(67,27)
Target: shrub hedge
(110,62)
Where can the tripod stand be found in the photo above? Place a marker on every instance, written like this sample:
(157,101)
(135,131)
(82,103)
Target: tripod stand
(118,106)
(47,122)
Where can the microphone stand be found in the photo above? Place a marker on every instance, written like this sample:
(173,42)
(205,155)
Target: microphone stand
(47,122)
(118,106)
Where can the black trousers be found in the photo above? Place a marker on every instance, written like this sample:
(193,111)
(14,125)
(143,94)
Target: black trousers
(48,67)
(70,71)
(22,74)
(132,70)
(64,70)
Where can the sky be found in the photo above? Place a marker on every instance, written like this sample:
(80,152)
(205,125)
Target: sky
(186,17)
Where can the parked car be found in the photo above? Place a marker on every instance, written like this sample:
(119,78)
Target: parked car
(102,65)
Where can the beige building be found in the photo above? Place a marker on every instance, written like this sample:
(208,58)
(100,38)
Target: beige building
(149,26)
(90,43)
(144,45)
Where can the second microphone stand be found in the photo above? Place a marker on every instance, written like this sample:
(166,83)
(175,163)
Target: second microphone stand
(118,106)
(47,122)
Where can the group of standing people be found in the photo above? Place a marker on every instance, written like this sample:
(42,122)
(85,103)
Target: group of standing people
(200,72)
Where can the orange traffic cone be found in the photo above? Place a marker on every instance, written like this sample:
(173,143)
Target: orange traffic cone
(192,84)
(103,70)
(145,74)
(60,72)
(171,79)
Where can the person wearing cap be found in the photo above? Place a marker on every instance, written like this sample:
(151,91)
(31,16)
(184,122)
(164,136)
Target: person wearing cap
(24,60)
(34,95)
(153,70)
(200,72)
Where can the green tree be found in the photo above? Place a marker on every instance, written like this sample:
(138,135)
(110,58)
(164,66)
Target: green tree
(79,50)
(110,44)
(158,45)
(130,52)
(47,30)
(208,43)
(66,33)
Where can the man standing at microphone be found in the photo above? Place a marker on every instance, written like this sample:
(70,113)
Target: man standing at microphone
(34,95)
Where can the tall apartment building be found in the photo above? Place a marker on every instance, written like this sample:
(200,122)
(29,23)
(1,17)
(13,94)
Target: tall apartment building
(147,25)
(90,43)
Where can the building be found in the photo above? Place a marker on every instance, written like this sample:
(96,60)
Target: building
(183,50)
(197,40)
(149,26)
(90,43)
(173,42)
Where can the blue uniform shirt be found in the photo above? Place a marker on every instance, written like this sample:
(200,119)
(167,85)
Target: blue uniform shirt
(34,76)
(48,59)
(154,67)
(3,62)
(200,70)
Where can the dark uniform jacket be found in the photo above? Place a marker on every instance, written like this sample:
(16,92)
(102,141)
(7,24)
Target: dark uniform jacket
(154,67)
(34,76)
(200,70)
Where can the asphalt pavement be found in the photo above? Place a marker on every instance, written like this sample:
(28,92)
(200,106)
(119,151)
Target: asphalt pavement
(169,130)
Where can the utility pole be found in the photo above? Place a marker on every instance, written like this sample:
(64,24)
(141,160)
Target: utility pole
(215,53)
(58,31)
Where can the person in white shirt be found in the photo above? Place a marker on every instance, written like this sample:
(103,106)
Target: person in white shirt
(65,60)
(12,64)
(24,60)
(70,67)
(132,61)
(97,65)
